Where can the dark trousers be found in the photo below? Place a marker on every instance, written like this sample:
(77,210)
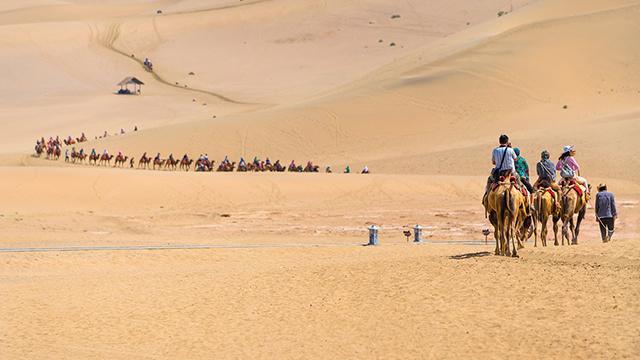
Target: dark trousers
(527,184)
(606,224)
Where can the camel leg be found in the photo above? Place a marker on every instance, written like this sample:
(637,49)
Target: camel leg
(535,231)
(555,231)
(572,232)
(515,238)
(581,215)
(543,231)
(507,236)
(565,230)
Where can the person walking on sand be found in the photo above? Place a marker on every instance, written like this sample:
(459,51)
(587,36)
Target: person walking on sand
(606,213)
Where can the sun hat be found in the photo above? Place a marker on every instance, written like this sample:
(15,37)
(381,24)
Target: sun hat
(602,186)
(567,148)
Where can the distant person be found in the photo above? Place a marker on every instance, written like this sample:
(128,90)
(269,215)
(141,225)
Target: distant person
(365,170)
(522,169)
(347,170)
(606,213)
(135,128)
(66,155)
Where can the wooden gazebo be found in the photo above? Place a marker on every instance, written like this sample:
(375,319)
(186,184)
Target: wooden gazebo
(124,85)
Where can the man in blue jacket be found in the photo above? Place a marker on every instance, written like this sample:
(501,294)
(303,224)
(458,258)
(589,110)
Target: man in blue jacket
(606,213)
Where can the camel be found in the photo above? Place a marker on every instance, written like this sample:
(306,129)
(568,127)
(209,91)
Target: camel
(544,207)
(120,160)
(227,167)
(159,162)
(171,163)
(506,208)
(105,159)
(573,202)
(53,153)
(185,163)
(144,161)
(81,157)
(521,221)
(94,158)
(40,148)
(278,167)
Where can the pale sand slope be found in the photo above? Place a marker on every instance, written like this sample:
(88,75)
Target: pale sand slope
(60,62)
(441,114)
(45,206)
(333,302)
(425,121)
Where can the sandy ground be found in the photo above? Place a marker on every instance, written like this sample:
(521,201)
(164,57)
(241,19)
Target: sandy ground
(276,267)
(403,301)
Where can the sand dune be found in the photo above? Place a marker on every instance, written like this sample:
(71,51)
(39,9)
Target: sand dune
(312,80)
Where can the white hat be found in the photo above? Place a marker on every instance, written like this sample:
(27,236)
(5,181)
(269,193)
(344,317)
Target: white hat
(567,148)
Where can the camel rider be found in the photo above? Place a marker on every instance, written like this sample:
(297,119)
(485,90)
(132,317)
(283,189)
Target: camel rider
(569,168)
(171,157)
(292,165)
(328,170)
(157,157)
(267,162)
(93,152)
(81,152)
(185,157)
(226,160)
(503,158)
(522,169)
(66,155)
(105,152)
(347,170)
(242,162)
(256,162)
(546,171)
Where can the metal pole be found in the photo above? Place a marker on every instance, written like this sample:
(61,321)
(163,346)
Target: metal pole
(373,235)
(417,232)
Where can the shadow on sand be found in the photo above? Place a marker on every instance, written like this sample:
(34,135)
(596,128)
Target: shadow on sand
(470,255)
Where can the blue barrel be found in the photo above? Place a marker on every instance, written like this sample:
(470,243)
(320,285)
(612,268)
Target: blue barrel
(417,232)
(373,235)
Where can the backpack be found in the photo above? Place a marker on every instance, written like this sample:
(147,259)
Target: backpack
(566,172)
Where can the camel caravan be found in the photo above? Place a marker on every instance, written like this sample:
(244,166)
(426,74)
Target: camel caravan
(517,210)
(52,149)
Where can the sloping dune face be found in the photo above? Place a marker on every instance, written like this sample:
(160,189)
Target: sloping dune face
(549,75)
(63,59)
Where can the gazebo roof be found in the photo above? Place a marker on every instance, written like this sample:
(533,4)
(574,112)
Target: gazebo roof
(130,80)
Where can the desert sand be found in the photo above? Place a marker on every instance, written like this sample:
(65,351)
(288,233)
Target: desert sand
(271,265)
